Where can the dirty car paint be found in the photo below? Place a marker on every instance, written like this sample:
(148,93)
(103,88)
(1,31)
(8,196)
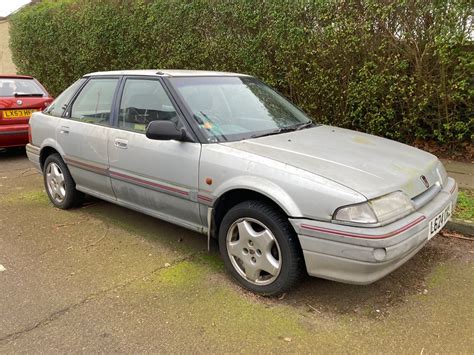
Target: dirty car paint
(371,165)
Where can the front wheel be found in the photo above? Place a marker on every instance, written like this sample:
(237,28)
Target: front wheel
(59,184)
(259,248)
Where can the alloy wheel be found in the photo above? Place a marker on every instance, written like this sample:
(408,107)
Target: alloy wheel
(254,251)
(55,182)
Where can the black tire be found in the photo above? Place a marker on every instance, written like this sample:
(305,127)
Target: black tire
(289,251)
(72,197)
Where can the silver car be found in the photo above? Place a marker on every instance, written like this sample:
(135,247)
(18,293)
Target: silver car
(225,155)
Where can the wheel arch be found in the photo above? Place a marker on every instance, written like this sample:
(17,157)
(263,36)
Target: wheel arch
(45,152)
(290,254)
(272,195)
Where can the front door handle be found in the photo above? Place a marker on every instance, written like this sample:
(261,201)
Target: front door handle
(64,130)
(121,143)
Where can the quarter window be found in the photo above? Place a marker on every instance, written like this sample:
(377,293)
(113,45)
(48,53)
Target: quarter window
(58,106)
(144,101)
(94,102)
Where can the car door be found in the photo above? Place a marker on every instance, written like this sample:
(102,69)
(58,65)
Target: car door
(157,177)
(82,135)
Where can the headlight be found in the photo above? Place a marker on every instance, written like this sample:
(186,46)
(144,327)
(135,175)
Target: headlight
(379,210)
(361,213)
(442,174)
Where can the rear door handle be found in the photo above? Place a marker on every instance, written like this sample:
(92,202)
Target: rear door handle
(121,143)
(64,130)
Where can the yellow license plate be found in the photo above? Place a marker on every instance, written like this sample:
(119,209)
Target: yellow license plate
(11,114)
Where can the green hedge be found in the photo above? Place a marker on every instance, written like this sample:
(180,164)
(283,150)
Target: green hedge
(401,69)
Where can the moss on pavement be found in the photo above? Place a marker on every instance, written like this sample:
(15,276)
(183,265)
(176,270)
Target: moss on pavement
(106,279)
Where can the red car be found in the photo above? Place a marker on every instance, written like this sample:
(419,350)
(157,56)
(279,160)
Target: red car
(20,96)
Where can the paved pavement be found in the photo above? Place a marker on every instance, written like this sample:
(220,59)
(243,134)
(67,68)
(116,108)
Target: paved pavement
(105,279)
(463,173)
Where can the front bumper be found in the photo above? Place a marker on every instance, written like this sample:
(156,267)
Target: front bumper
(360,255)
(13,135)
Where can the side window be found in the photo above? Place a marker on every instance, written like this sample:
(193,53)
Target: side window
(144,101)
(94,102)
(58,106)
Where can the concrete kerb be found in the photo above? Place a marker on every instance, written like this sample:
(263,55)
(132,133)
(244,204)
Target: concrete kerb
(461,226)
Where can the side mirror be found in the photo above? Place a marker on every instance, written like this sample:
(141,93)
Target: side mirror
(165,131)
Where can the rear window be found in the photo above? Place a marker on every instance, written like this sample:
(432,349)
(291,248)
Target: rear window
(11,86)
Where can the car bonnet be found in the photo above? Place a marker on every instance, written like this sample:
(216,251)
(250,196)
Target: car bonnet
(368,164)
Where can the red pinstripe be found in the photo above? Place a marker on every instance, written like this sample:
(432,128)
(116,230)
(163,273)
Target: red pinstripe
(365,236)
(149,183)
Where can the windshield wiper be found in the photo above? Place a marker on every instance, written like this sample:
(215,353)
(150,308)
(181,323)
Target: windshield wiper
(285,129)
(25,94)
(305,125)
(277,131)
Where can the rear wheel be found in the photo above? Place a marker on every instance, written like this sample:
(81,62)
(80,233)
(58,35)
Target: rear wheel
(59,184)
(260,248)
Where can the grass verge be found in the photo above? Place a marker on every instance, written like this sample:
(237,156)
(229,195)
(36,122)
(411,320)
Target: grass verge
(465,205)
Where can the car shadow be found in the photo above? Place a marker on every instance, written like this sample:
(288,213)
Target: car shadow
(376,299)
(16,153)
(313,294)
(158,231)
(13,159)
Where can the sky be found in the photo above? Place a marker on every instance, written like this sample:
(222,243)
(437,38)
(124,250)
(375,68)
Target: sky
(8,6)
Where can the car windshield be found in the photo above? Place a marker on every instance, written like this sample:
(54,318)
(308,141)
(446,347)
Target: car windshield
(236,108)
(11,87)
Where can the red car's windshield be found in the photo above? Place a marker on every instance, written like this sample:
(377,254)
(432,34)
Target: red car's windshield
(11,87)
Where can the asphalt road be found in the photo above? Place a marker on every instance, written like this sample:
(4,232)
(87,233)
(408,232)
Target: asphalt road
(105,279)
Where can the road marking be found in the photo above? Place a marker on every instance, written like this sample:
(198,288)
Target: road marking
(2,268)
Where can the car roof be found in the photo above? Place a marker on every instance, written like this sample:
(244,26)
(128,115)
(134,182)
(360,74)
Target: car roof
(15,76)
(165,72)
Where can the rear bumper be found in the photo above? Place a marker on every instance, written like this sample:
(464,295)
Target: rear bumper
(365,255)
(13,135)
(33,153)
